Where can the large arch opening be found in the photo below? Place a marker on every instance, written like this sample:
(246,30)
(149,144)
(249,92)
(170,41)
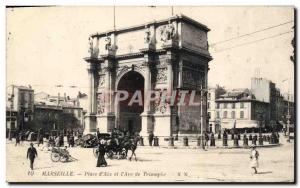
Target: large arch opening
(129,116)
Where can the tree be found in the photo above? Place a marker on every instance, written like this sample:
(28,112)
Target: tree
(220,90)
(69,121)
(46,119)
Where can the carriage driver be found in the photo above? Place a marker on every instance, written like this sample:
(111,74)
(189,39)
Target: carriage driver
(65,153)
(114,140)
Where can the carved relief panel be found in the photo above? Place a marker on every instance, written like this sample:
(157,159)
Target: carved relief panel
(193,75)
(100,103)
(101,81)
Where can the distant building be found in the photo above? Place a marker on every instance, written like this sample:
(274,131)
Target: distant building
(288,111)
(239,109)
(265,91)
(213,123)
(11,118)
(65,103)
(43,112)
(19,106)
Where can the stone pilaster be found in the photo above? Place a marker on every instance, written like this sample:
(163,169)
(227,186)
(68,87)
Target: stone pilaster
(164,122)
(90,118)
(106,120)
(147,117)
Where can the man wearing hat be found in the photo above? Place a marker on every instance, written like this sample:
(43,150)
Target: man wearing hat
(31,154)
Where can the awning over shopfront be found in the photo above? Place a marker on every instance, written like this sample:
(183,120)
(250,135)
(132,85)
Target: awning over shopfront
(239,124)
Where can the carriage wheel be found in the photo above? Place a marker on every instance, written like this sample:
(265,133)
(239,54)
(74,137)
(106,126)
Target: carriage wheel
(110,154)
(55,157)
(95,152)
(123,153)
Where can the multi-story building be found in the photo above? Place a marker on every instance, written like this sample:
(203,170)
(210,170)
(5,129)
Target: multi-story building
(214,124)
(67,104)
(240,110)
(288,110)
(265,90)
(47,117)
(19,106)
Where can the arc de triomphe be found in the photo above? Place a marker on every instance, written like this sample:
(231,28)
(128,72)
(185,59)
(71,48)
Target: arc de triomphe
(164,55)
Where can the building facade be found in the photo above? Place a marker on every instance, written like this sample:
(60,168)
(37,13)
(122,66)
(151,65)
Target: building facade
(214,122)
(20,106)
(265,90)
(160,56)
(47,117)
(238,109)
(64,103)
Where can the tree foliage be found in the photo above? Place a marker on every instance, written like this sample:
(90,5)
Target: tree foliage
(48,120)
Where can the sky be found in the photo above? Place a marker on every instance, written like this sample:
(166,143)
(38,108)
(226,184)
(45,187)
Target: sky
(46,45)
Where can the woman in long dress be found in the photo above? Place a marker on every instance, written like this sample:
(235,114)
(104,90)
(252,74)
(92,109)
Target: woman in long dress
(101,152)
(254,158)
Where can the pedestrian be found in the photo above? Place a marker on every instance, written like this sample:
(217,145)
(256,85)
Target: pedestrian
(151,137)
(17,139)
(61,140)
(31,154)
(68,138)
(206,138)
(40,139)
(71,141)
(98,134)
(57,141)
(254,158)
(101,152)
(51,141)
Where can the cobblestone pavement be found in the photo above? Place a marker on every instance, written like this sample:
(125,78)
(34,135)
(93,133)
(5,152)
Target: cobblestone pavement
(276,164)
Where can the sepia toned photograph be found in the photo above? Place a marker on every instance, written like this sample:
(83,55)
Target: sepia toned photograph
(150,94)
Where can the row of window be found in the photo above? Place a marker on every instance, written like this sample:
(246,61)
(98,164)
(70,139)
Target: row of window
(225,105)
(233,116)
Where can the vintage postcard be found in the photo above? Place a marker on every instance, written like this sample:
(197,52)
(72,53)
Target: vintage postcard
(181,94)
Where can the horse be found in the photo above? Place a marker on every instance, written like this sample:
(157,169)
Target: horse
(131,144)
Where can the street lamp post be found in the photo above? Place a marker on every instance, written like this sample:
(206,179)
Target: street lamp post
(260,139)
(288,116)
(24,115)
(288,119)
(202,94)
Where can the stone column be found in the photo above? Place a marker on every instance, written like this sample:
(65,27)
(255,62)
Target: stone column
(169,81)
(107,90)
(90,92)
(163,122)
(90,120)
(147,86)
(106,121)
(146,115)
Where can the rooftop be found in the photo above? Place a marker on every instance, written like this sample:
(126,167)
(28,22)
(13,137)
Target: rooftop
(179,17)
(22,87)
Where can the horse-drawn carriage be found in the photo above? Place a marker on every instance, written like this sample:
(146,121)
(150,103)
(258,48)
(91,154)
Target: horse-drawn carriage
(112,149)
(62,155)
(118,146)
(90,140)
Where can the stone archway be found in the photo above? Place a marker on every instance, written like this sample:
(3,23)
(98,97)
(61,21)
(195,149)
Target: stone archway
(128,117)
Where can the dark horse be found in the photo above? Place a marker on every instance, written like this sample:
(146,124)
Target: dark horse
(131,144)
